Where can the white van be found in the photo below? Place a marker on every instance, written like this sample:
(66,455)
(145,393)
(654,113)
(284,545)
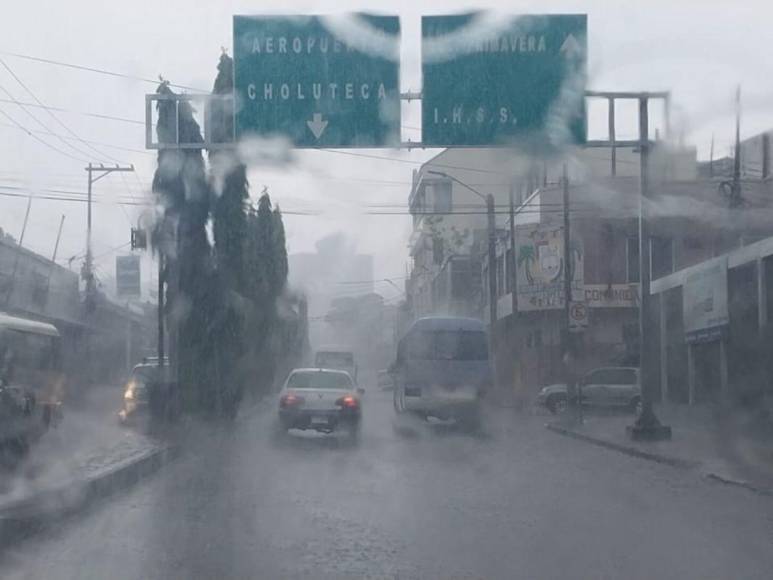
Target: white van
(442,369)
(337,359)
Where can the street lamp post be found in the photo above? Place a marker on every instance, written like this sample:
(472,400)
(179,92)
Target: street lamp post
(647,425)
(492,257)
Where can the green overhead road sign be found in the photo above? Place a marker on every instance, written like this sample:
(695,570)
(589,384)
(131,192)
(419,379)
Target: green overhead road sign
(490,83)
(317,82)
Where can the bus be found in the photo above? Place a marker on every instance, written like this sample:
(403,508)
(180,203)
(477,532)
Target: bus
(31,381)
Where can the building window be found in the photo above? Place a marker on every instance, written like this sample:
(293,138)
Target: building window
(461,279)
(661,257)
(441,197)
(632,259)
(437,250)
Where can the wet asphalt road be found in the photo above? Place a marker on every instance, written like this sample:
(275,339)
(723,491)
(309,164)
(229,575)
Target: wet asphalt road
(408,501)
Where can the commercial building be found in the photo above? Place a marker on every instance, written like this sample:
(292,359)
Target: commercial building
(98,346)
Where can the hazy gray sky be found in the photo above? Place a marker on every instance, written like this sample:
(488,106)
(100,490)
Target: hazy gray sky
(698,49)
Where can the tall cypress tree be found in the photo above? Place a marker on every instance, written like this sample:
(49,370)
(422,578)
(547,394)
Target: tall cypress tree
(182,187)
(230,194)
(229,184)
(279,251)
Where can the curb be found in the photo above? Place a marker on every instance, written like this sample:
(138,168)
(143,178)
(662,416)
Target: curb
(660,458)
(626,449)
(21,518)
(739,483)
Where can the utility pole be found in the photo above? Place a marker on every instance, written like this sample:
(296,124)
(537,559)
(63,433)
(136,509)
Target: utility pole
(53,256)
(512,264)
(128,337)
(492,268)
(711,157)
(647,426)
(18,251)
(160,345)
(569,354)
(612,137)
(735,190)
(58,237)
(88,266)
(732,188)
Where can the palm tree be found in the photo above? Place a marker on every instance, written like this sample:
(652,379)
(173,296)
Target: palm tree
(526,256)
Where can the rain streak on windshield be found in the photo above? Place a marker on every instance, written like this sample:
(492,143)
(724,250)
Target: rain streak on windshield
(458,289)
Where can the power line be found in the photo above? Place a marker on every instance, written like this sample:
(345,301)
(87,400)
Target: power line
(46,143)
(38,121)
(120,202)
(410,161)
(463,205)
(482,212)
(51,114)
(376,280)
(99,256)
(94,70)
(87,114)
(102,143)
(69,199)
(51,190)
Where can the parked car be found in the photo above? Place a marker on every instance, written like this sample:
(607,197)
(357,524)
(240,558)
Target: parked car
(601,387)
(149,392)
(320,399)
(442,369)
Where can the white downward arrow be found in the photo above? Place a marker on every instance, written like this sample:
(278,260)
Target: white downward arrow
(317,125)
(570,47)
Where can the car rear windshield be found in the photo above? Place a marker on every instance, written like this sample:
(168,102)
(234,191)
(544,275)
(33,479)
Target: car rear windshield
(319,380)
(446,345)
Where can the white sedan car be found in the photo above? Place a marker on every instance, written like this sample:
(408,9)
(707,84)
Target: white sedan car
(321,400)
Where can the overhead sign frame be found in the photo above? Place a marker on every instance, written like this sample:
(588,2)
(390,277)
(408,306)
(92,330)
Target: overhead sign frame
(355,128)
(523,80)
(317,81)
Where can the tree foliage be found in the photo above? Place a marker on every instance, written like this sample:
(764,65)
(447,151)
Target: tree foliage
(232,324)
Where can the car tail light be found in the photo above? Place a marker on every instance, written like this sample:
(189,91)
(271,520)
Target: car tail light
(348,402)
(290,400)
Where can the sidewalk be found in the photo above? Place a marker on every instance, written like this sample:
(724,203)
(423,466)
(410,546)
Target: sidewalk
(89,441)
(735,448)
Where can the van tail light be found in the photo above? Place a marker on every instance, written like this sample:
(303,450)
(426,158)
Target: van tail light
(290,400)
(348,402)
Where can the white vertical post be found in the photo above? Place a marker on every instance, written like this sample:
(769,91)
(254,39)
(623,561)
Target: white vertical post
(128,338)
(762,294)
(663,349)
(723,369)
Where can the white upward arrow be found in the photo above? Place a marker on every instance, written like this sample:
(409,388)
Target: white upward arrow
(570,48)
(317,125)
